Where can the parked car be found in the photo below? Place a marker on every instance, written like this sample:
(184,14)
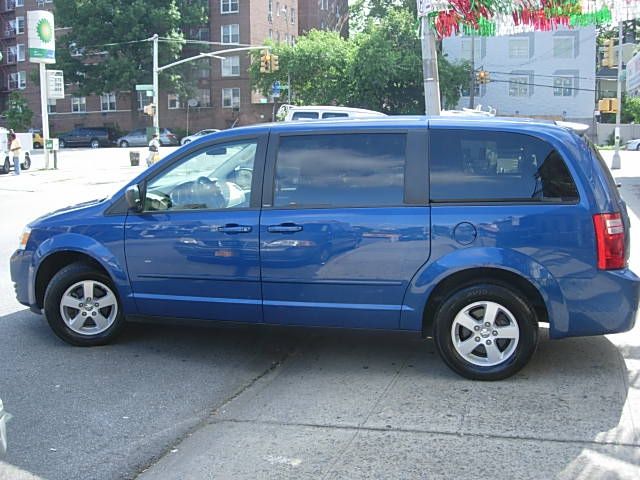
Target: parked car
(38,141)
(320,112)
(138,138)
(197,135)
(633,144)
(93,137)
(468,231)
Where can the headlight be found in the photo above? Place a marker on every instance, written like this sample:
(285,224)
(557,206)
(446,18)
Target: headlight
(24,238)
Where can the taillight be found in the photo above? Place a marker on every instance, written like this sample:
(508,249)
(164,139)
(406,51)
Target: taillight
(610,241)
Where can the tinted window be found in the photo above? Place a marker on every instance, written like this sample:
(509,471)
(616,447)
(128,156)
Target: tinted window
(301,115)
(348,170)
(492,166)
(212,178)
(334,115)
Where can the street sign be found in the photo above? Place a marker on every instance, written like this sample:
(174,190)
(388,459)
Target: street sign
(52,144)
(275,89)
(143,87)
(41,36)
(633,75)
(55,84)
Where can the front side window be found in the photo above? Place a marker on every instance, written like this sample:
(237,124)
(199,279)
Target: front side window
(487,166)
(230,33)
(215,177)
(359,170)
(335,115)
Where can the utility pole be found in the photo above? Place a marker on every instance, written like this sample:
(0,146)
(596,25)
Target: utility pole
(429,67)
(44,108)
(615,163)
(156,109)
(472,80)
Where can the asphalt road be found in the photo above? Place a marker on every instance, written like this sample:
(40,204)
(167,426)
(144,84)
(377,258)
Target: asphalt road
(182,402)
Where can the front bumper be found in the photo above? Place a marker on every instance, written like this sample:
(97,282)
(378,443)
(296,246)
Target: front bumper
(21,276)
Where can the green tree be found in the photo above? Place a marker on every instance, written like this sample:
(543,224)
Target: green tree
(105,43)
(18,113)
(379,67)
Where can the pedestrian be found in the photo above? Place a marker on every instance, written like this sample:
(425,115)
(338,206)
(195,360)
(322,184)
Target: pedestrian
(16,149)
(154,148)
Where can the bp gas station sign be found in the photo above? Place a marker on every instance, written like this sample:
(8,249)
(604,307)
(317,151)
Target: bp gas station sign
(41,36)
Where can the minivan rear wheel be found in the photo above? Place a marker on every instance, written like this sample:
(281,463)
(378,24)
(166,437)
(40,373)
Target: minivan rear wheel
(486,331)
(82,307)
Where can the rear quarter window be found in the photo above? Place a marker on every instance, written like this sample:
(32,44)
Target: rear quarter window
(305,116)
(488,166)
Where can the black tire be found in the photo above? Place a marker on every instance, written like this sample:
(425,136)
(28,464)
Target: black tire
(61,143)
(57,287)
(6,166)
(124,144)
(94,143)
(26,165)
(516,303)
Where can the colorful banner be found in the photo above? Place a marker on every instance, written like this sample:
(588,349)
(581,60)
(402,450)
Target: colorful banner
(504,17)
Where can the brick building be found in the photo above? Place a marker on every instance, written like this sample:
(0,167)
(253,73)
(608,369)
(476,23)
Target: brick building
(222,89)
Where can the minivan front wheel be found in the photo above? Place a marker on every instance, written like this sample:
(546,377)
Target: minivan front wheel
(486,331)
(82,307)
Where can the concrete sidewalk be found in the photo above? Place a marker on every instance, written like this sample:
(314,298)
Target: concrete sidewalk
(350,405)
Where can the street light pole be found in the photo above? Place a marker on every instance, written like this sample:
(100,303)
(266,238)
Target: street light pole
(615,163)
(156,109)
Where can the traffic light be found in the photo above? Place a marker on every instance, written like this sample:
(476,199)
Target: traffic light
(149,109)
(482,76)
(608,105)
(610,57)
(265,62)
(274,63)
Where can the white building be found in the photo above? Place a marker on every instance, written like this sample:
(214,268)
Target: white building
(542,74)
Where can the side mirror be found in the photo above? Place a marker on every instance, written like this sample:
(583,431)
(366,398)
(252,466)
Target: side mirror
(134,198)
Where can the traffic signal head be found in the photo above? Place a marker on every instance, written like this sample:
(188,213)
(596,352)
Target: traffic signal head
(265,62)
(482,76)
(274,63)
(149,109)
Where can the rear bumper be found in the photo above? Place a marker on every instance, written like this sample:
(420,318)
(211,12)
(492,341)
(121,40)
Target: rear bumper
(607,303)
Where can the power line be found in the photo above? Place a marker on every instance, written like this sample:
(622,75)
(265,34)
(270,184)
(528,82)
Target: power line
(553,76)
(544,86)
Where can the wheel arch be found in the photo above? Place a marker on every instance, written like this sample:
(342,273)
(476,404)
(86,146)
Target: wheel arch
(463,278)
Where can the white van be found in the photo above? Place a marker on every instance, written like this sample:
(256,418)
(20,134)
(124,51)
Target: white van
(319,112)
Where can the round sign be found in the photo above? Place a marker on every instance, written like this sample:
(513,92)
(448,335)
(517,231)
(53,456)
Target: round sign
(193,102)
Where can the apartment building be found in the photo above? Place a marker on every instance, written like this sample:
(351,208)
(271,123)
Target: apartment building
(222,89)
(539,74)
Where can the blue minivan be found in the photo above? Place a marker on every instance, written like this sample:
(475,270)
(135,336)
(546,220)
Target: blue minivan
(471,231)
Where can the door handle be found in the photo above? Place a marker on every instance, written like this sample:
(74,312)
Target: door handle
(284,228)
(234,228)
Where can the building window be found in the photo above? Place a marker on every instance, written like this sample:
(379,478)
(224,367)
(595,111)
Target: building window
(19,25)
(324,4)
(204,97)
(230,98)
(108,102)
(293,16)
(278,9)
(174,101)
(19,3)
(231,33)
(51,105)
(464,91)
(21,52)
(78,104)
(563,86)
(144,100)
(270,7)
(519,86)
(11,54)
(229,6)
(563,47)
(518,48)
(286,38)
(201,33)
(231,66)
(284,12)
(278,37)
(17,81)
